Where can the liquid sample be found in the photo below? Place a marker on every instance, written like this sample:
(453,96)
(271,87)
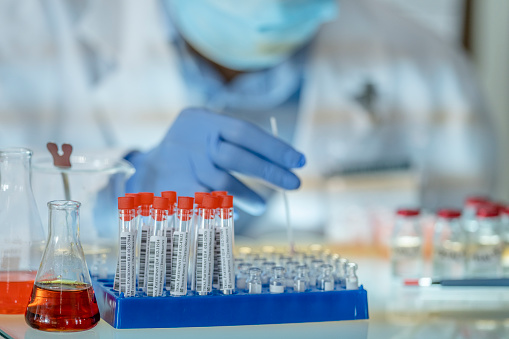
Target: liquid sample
(62,306)
(15,289)
(406,259)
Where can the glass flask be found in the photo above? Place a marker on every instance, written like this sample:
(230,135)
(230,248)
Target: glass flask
(62,297)
(21,232)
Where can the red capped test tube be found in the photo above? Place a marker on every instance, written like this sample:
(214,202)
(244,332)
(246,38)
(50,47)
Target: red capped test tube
(198,199)
(205,233)
(157,247)
(172,207)
(127,243)
(146,199)
(224,232)
(180,244)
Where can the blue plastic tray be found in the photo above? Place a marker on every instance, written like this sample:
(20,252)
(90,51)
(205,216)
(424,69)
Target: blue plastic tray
(228,310)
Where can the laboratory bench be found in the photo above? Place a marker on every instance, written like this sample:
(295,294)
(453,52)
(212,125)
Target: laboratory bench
(395,312)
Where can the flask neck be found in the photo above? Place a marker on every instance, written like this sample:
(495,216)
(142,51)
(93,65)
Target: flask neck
(63,223)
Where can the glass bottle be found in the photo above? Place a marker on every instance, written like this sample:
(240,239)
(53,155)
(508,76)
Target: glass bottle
(277,282)
(254,282)
(267,272)
(301,281)
(62,297)
(449,244)
(352,281)
(406,257)
(325,281)
(22,236)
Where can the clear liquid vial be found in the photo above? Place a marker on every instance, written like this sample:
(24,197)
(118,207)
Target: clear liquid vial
(301,280)
(267,272)
(406,245)
(277,282)
(449,245)
(243,275)
(254,282)
(22,236)
(352,281)
(325,280)
(291,268)
(340,271)
(62,297)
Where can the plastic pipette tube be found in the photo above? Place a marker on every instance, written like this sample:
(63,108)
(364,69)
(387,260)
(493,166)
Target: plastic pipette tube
(157,247)
(180,255)
(205,233)
(170,228)
(127,243)
(225,233)
(146,200)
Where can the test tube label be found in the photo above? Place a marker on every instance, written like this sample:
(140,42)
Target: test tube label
(179,263)
(217,259)
(155,276)
(127,263)
(169,251)
(145,229)
(227,277)
(204,260)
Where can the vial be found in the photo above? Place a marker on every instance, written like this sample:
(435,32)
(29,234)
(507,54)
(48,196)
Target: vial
(485,247)
(267,272)
(406,244)
(254,282)
(291,268)
(340,272)
(251,257)
(315,271)
(325,281)
(283,260)
(301,280)
(307,259)
(449,244)
(277,282)
(237,262)
(243,275)
(352,282)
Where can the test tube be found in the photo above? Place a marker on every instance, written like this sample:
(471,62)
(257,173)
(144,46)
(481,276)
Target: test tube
(170,228)
(127,243)
(217,248)
(157,247)
(254,282)
(352,282)
(243,275)
(225,233)
(205,233)
(277,282)
(146,199)
(325,281)
(301,281)
(135,222)
(267,272)
(180,243)
(198,199)
(291,267)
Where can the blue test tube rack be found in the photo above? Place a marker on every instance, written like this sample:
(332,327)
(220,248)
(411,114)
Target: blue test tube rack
(228,310)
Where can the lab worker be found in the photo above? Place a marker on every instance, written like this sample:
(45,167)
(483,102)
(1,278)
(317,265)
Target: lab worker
(185,89)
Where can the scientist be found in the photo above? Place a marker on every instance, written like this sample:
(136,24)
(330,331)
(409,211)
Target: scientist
(186,89)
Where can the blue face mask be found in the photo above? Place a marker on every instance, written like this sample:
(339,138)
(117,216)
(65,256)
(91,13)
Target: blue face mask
(248,35)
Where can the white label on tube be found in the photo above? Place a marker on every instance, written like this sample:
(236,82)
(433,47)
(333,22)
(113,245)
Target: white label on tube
(227,273)
(217,259)
(277,289)
(204,260)
(328,286)
(143,255)
(117,277)
(169,249)
(127,263)
(352,285)
(179,261)
(156,259)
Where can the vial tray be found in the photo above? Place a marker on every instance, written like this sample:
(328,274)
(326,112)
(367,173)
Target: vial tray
(228,310)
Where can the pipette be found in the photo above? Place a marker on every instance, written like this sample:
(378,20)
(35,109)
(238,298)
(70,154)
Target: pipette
(289,229)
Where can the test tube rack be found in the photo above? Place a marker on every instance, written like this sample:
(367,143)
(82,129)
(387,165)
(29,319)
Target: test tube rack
(228,310)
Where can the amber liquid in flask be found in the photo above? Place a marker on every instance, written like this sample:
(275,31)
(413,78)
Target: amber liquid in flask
(62,297)
(15,288)
(62,306)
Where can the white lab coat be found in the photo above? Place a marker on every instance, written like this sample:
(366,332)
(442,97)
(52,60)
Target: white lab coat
(108,77)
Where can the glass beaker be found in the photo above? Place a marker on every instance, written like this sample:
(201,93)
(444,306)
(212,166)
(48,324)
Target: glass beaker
(95,180)
(21,232)
(62,297)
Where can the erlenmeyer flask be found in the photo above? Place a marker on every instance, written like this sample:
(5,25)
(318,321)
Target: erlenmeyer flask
(63,298)
(21,232)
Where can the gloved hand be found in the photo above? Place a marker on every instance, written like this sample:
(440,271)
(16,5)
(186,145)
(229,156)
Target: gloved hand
(202,148)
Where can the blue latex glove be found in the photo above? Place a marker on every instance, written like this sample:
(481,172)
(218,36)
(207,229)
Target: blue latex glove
(202,148)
